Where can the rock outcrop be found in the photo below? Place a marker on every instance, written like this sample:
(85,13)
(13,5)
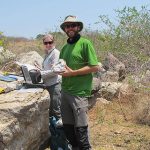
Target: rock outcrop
(30,58)
(24,58)
(110,90)
(115,69)
(23,119)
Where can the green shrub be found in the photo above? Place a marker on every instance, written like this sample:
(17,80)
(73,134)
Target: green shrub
(2,39)
(129,37)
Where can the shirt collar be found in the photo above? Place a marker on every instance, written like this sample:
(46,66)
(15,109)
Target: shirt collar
(50,50)
(74,39)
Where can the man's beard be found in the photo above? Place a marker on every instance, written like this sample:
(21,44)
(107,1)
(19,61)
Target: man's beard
(71,33)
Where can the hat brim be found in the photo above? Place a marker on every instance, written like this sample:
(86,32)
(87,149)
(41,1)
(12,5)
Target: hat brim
(62,26)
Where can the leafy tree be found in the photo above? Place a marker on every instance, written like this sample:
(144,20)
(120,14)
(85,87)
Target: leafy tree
(39,36)
(129,37)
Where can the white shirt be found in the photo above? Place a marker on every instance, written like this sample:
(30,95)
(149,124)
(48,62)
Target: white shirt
(50,59)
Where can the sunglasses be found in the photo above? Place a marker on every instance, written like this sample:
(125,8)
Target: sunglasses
(73,25)
(46,43)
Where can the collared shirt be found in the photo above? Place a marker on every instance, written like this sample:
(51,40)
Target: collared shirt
(50,59)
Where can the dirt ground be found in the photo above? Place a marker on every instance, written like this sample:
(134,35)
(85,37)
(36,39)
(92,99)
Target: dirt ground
(112,127)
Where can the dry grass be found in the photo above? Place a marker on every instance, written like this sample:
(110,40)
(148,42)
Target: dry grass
(111,130)
(142,112)
(113,126)
(121,125)
(19,47)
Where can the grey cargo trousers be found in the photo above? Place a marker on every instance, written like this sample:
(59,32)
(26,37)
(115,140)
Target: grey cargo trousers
(55,100)
(74,117)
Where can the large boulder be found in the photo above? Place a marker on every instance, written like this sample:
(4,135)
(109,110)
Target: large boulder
(110,76)
(24,119)
(24,58)
(110,90)
(115,67)
(30,58)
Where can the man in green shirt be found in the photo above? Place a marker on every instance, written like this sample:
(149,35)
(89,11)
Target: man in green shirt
(81,61)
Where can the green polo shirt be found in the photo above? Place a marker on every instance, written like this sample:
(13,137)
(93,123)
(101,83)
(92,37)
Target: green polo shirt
(78,55)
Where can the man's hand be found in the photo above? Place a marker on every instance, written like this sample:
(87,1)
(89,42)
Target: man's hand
(82,71)
(68,72)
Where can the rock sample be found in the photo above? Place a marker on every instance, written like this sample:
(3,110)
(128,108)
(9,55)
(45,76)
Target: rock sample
(24,119)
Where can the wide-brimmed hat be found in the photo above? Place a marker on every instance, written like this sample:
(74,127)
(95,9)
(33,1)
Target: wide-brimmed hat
(71,19)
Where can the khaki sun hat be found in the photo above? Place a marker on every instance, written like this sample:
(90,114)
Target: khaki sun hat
(71,19)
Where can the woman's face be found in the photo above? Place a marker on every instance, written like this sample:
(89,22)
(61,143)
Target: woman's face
(48,44)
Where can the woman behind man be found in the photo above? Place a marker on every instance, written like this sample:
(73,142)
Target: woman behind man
(52,81)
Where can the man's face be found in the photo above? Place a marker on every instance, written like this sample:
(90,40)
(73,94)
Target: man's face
(71,29)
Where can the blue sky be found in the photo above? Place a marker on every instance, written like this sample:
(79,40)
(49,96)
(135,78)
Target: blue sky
(30,17)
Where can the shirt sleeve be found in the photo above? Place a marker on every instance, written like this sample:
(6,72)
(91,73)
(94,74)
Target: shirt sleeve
(90,54)
(54,58)
(47,74)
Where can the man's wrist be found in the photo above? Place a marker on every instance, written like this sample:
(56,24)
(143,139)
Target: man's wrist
(75,73)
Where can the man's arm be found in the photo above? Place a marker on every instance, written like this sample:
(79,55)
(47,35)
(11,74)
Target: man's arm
(85,70)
